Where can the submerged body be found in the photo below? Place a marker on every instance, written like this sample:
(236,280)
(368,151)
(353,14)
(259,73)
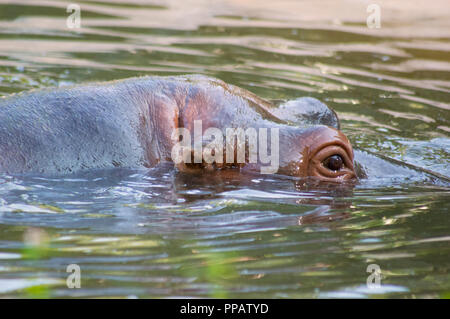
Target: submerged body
(130,123)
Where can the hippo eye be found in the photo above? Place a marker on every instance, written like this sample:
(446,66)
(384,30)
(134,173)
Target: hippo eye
(334,162)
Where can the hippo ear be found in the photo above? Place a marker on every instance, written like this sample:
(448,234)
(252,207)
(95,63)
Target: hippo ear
(306,110)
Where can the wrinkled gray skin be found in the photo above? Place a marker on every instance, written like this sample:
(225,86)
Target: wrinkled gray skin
(58,130)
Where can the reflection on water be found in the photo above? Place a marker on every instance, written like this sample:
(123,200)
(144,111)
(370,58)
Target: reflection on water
(159,233)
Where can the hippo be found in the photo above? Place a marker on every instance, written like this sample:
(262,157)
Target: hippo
(136,122)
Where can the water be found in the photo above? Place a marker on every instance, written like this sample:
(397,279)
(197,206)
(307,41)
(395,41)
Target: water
(158,233)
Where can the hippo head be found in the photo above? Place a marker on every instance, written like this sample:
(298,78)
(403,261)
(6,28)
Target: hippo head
(300,138)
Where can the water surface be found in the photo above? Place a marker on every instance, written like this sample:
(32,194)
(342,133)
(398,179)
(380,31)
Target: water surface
(158,233)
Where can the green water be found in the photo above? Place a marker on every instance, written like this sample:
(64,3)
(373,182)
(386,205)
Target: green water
(158,233)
